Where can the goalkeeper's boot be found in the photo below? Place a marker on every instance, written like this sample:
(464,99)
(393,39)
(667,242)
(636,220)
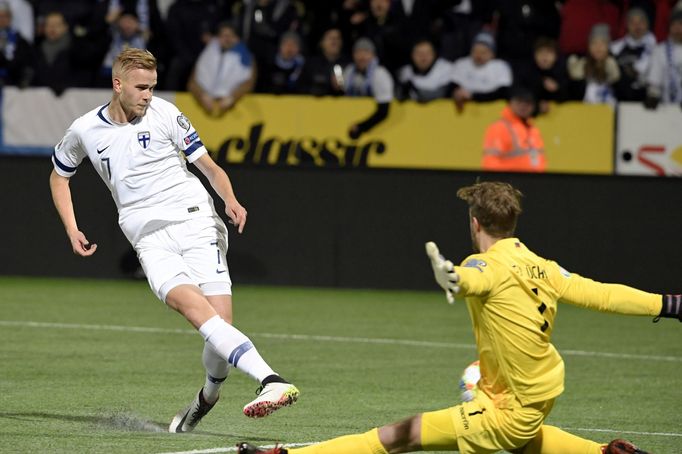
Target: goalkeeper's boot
(245,448)
(622,447)
(273,394)
(187,419)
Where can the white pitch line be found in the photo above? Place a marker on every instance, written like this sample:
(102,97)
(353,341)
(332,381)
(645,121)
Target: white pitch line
(234,449)
(618,431)
(310,337)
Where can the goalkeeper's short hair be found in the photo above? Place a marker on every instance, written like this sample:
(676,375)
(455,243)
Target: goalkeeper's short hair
(496,205)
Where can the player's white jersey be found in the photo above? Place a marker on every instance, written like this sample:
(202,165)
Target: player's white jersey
(142,164)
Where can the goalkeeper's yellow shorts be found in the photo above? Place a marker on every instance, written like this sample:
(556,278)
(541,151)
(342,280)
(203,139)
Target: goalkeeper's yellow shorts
(479,427)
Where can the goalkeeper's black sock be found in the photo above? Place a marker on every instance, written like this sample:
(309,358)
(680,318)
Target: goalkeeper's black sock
(672,307)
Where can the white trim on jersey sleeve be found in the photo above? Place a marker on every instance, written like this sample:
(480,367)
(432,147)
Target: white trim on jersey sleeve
(68,154)
(196,153)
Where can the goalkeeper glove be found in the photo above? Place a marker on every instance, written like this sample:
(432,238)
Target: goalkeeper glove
(672,307)
(444,272)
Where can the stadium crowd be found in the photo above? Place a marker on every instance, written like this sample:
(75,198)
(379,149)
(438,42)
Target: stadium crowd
(599,51)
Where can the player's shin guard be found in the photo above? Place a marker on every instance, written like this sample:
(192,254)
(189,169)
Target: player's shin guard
(217,369)
(235,348)
(367,443)
(552,440)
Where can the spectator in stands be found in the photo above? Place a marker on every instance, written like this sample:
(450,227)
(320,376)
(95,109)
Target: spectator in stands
(23,20)
(223,73)
(263,22)
(545,75)
(664,81)
(480,76)
(125,33)
(513,143)
(15,52)
(419,18)
(521,23)
(88,28)
(428,77)
(150,23)
(461,21)
(56,60)
(386,29)
(281,73)
(633,54)
(366,77)
(322,73)
(147,13)
(578,17)
(189,27)
(593,76)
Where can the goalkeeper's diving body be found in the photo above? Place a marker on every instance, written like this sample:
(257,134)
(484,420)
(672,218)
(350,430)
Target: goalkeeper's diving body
(511,294)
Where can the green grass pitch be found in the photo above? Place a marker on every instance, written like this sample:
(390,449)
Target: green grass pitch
(92,366)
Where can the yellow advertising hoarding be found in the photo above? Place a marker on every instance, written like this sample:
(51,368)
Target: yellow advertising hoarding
(302,130)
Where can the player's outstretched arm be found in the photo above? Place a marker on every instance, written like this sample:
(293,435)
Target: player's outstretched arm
(220,182)
(620,299)
(61,196)
(443,271)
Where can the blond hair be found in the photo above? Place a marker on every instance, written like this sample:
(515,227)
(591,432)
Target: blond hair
(496,205)
(132,58)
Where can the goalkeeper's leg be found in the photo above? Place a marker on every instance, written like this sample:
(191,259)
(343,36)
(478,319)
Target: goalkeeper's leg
(552,440)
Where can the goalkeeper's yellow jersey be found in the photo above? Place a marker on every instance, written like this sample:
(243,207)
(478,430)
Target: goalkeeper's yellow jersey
(512,297)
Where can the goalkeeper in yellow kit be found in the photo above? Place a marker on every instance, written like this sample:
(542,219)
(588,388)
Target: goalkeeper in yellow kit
(512,296)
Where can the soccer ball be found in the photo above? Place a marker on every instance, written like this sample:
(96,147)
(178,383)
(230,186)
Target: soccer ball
(468,383)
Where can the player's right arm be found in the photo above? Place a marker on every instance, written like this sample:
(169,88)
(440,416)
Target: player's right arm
(61,196)
(68,154)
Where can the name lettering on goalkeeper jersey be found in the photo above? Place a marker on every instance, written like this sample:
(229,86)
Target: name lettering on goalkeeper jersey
(535,272)
(475,263)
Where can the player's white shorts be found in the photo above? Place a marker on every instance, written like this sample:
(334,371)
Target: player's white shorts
(187,252)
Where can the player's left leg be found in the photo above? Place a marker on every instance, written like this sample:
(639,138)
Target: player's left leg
(552,440)
(217,368)
(403,436)
(204,252)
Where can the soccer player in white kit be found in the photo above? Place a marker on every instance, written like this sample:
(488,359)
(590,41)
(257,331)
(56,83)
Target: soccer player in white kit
(139,144)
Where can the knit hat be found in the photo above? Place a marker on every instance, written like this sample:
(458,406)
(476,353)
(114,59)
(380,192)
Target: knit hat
(485,38)
(632,12)
(600,31)
(364,44)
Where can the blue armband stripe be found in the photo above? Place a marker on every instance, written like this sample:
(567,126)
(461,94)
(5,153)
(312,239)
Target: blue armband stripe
(61,165)
(192,148)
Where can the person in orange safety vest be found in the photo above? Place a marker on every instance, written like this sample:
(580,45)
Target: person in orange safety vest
(513,143)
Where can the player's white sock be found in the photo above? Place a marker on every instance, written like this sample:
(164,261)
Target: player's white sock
(216,372)
(235,347)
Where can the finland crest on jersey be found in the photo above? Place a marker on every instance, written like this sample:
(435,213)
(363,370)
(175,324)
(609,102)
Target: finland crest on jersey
(144,138)
(142,163)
